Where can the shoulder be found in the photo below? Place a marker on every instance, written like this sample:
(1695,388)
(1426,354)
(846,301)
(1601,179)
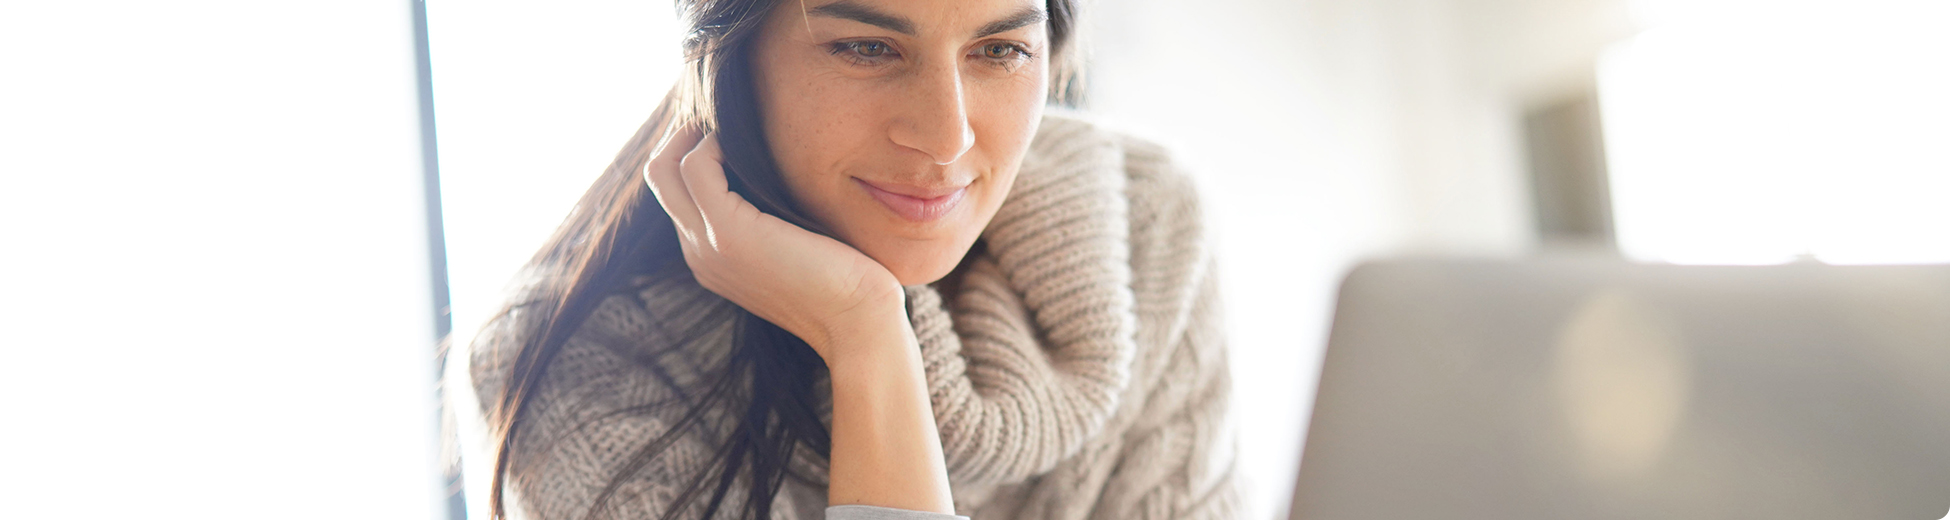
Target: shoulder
(1165,208)
(1155,180)
(633,345)
(622,378)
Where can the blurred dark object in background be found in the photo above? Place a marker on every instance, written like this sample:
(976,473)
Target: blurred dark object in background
(1568,183)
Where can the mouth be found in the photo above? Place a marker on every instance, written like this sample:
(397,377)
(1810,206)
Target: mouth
(913,203)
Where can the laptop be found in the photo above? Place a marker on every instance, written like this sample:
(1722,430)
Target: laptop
(1598,389)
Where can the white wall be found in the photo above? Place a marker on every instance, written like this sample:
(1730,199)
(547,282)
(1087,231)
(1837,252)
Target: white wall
(1291,148)
(214,299)
(533,102)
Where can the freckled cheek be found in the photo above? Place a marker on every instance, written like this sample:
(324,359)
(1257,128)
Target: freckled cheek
(819,135)
(809,115)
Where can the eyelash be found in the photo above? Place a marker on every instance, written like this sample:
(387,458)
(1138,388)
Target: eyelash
(851,51)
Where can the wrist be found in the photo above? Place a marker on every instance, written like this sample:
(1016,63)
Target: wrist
(886,449)
(871,342)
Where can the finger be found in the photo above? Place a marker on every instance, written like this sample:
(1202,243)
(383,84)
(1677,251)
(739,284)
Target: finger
(703,174)
(675,142)
(667,182)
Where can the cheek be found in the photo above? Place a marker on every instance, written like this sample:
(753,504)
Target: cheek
(803,126)
(1005,112)
(814,137)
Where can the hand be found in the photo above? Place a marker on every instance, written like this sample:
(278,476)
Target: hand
(813,286)
(886,450)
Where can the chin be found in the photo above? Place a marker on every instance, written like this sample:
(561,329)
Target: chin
(921,265)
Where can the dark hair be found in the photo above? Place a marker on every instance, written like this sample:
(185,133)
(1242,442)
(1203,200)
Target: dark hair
(618,233)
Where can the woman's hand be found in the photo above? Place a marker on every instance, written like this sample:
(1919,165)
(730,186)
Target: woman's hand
(815,287)
(886,449)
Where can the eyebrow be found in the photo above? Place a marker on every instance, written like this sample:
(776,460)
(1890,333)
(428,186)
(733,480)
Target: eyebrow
(1023,17)
(848,10)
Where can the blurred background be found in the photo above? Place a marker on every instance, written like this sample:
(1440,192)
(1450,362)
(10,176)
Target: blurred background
(234,230)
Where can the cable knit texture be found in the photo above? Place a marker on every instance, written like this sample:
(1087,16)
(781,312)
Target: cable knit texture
(1078,373)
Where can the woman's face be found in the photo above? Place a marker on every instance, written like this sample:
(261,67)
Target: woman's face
(900,124)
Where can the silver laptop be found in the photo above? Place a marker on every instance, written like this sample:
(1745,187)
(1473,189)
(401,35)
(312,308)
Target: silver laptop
(1592,389)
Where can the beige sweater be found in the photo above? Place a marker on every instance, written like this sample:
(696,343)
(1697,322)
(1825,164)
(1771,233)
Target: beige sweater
(1079,373)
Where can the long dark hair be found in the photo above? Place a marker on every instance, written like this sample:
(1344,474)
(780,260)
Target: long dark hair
(618,233)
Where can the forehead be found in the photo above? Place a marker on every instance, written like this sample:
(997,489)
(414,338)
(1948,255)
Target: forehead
(977,18)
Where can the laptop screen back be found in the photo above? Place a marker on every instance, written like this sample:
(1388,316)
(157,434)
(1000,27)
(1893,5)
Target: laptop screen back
(1597,390)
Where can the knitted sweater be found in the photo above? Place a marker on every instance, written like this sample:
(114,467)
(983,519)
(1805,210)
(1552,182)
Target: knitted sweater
(1079,372)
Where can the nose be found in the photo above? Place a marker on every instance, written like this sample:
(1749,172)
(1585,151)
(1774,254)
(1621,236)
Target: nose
(933,117)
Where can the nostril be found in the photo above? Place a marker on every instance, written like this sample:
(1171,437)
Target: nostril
(943,139)
(967,142)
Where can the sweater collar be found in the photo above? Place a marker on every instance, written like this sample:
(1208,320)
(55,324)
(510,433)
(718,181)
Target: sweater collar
(1031,358)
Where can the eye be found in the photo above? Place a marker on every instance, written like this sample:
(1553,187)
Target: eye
(869,50)
(1003,51)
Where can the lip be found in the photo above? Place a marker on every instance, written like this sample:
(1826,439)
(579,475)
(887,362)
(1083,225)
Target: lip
(915,203)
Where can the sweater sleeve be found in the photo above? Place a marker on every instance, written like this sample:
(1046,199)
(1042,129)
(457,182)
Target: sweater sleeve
(597,407)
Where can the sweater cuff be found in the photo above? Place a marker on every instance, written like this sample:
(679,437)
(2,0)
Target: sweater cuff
(859,512)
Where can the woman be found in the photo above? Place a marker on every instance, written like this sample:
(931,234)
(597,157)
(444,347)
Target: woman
(850,268)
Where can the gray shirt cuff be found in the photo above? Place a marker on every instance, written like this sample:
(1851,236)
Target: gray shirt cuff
(857,512)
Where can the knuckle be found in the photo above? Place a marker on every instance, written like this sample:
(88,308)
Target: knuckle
(690,162)
(668,155)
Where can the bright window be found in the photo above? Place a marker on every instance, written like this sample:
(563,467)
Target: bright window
(1754,132)
(533,101)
